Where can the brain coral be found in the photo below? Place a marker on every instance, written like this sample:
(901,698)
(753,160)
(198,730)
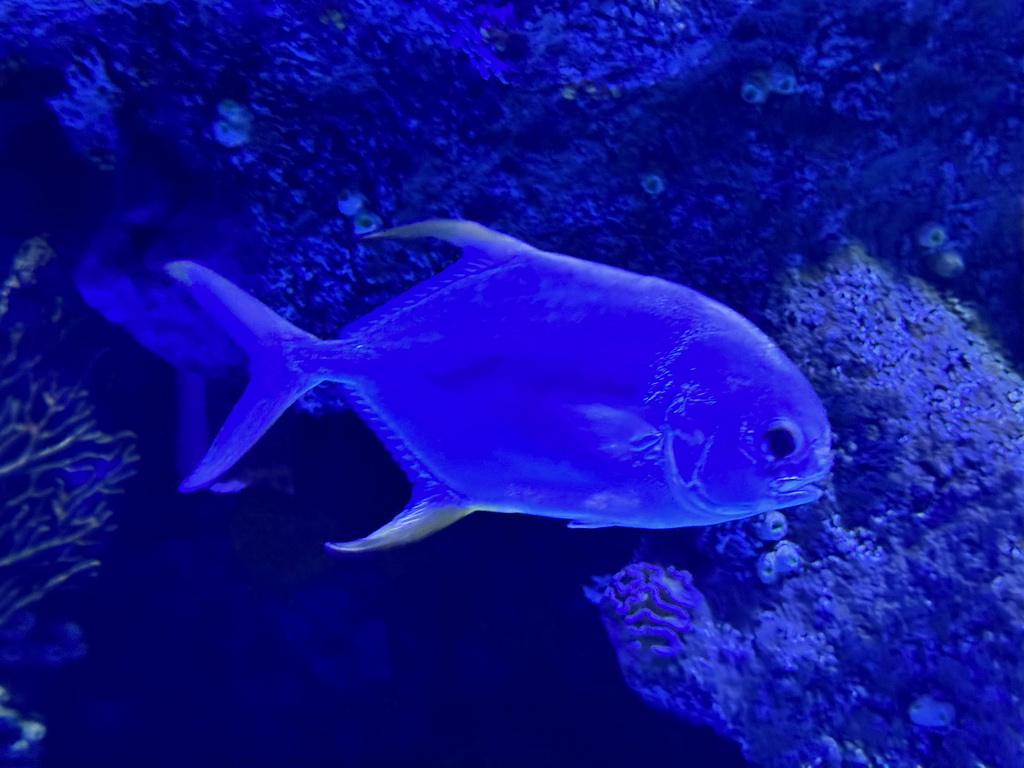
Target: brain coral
(648,608)
(897,642)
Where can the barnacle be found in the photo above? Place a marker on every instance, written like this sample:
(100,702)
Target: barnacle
(931,235)
(351,202)
(365,222)
(787,557)
(767,568)
(653,184)
(235,124)
(930,712)
(771,526)
(782,80)
(755,87)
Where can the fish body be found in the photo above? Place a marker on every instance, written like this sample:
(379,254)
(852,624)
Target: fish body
(518,380)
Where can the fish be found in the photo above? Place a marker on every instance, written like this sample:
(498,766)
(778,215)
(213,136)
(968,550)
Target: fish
(518,380)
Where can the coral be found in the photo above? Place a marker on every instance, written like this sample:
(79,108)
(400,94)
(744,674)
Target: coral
(87,109)
(57,467)
(451,109)
(20,737)
(31,256)
(647,609)
(876,117)
(886,631)
(57,472)
(625,43)
(27,641)
(28,24)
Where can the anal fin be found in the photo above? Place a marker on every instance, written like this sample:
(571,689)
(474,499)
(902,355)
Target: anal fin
(415,522)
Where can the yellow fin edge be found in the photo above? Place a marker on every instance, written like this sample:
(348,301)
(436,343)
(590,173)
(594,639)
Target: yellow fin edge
(415,523)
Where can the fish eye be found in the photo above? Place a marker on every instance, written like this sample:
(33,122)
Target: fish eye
(779,441)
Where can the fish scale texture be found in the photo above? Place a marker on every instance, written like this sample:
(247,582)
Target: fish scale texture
(909,592)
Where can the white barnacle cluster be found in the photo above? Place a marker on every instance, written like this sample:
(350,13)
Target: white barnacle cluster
(352,203)
(929,712)
(784,557)
(762,83)
(944,259)
(652,183)
(233,125)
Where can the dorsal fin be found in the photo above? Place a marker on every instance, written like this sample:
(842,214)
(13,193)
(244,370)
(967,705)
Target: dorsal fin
(482,248)
(481,245)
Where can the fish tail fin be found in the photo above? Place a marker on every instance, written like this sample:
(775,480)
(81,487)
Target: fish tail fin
(273,346)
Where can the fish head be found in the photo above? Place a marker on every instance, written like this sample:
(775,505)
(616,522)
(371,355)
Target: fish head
(751,443)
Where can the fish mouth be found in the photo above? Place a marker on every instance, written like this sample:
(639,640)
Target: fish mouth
(805,488)
(798,490)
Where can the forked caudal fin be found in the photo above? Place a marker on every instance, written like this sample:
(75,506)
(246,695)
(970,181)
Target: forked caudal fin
(275,381)
(281,369)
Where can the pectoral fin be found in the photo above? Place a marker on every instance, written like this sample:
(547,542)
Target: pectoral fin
(614,432)
(415,522)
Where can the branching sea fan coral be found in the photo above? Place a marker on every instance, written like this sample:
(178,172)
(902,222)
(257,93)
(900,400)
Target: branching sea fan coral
(57,467)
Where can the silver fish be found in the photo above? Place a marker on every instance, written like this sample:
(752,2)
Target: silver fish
(518,380)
